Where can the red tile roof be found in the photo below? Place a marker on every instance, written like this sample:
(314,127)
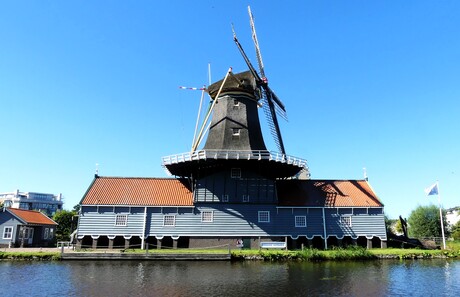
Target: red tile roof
(138,191)
(327,193)
(32,216)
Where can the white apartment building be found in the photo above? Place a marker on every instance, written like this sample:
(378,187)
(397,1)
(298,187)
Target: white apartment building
(453,216)
(47,203)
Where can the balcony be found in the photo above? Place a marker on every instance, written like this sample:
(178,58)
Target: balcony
(213,155)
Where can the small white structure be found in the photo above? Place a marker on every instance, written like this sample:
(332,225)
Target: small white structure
(47,203)
(453,216)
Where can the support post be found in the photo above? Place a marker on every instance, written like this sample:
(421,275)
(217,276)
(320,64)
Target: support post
(369,243)
(78,245)
(340,242)
(324,229)
(383,244)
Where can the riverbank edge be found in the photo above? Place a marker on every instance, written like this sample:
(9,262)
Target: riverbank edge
(308,255)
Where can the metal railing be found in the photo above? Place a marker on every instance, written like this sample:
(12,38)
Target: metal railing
(233,155)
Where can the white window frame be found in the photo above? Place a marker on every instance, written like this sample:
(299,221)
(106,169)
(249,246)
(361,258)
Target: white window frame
(263,216)
(51,233)
(235,173)
(207,216)
(27,232)
(121,220)
(47,233)
(346,220)
(225,198)
(8,234)
(169,220)
(300,221)
(245,198)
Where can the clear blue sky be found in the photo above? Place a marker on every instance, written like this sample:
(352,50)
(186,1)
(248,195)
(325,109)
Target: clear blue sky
(372,84)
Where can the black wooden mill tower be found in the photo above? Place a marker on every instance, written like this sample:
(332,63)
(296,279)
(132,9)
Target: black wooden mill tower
(234,164)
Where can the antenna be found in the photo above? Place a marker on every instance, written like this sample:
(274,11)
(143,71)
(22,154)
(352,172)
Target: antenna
(365,174)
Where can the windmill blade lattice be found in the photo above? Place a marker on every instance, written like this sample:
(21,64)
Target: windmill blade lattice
(275,106)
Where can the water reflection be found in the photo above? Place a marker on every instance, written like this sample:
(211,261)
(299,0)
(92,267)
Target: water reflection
(148,278)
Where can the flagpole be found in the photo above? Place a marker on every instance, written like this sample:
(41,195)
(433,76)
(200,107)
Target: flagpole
(440,215)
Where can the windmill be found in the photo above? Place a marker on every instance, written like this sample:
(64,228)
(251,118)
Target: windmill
(231,128)
(273,104)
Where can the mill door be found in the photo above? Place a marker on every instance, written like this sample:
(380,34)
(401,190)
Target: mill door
(31,236)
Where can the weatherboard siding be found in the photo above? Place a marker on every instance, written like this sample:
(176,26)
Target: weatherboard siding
(8,220)
(231,220)
(212,188)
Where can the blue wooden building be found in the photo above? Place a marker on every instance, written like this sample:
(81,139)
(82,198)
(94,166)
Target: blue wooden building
(232,190)
(165,212)
(26,228)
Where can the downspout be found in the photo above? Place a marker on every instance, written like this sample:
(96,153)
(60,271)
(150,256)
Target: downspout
(324,229)
(144,228)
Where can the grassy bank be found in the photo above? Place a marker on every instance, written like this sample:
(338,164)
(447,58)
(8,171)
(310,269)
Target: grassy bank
(352,253)
(335,254)
(30,256)
(338,254)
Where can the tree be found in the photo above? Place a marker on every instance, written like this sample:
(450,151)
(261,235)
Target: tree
(398,227)
(424,221)
(389,224)
(76,208)
(67,222)
(455,232)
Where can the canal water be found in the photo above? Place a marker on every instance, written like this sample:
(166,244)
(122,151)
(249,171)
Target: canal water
(438,277)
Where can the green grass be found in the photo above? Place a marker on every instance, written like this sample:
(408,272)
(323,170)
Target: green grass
(453,245)
(46,256)
(452,251)
(334,254)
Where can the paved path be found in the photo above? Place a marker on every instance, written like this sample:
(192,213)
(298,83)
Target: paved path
(33,250)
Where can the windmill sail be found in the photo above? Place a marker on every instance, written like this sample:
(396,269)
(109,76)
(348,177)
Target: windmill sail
(274,104)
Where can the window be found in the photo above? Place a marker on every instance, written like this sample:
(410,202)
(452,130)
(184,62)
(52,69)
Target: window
(47,233)
(51,233)
(224,198)
(121,220)
(8,233)
(169,220)
(245,198)
(235,173)
(345,221)
(300,221)
(26,232)
(264,217)
(207,216)
(236,103)
(236,132)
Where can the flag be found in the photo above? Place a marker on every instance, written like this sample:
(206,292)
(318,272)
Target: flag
(433,190)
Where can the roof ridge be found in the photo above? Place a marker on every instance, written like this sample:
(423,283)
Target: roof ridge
(139,177)
(25,210)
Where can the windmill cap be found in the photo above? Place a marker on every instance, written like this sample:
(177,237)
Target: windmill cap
(240,82)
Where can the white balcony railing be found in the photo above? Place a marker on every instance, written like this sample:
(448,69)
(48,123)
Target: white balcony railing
(233,155)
